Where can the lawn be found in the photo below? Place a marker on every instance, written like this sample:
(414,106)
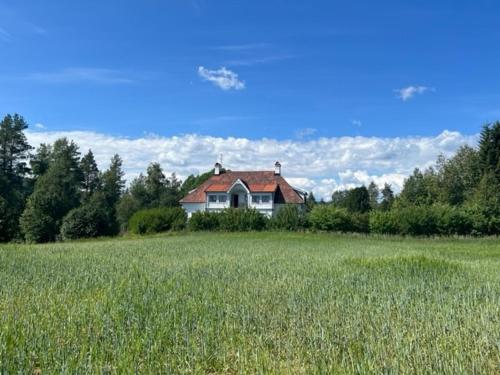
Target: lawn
(251,303)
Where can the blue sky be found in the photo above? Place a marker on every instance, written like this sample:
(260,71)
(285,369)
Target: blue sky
(132,67)
(389,84)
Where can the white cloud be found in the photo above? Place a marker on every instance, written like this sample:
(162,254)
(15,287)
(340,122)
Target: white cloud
(77,75)
(39,126)
(321,165)
(409,92)
(222,78)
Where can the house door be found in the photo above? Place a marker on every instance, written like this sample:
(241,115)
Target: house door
(235,200)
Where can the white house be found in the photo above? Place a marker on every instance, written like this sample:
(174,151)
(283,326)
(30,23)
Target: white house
(266,191)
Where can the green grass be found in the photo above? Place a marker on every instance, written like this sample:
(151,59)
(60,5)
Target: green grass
(251,303)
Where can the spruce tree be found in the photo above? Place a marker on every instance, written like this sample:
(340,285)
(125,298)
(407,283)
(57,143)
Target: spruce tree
(387,198)
(112,190)
(91,177)
(374,193)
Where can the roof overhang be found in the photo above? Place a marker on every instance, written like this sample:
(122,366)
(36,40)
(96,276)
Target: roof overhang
(238,182)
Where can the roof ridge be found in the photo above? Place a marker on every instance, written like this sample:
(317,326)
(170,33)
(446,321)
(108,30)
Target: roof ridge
(249,171)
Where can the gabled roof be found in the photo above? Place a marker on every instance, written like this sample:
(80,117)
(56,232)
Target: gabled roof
(257,182)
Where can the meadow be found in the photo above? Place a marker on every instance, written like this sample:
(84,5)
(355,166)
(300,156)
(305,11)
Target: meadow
(251,303)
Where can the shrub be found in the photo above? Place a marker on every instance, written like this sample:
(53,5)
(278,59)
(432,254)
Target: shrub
(241,220)
(94,218)
(85,221)
(330,218)
(360,222)
(37,226)
(453,220)
(484,222)
(425,221)
(416,220)
(230,220)
(289,217)
(204,221)
(156,220)
(126,207)
(384,222)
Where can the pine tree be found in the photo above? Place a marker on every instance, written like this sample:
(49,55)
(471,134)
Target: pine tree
(387,198)
(91,177)
(489,149)
(310,202)
(14,152)
(113,182)
(41,160)
(374,194)
(112,190)
(172,192)
(14,148)
(155,184)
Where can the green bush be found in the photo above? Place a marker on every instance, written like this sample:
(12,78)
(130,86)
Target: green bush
(37,226)
(453,220)
(424,221)
(331,218)
(229,220)
(86,221)
(384,222)
(360,222)
(485,221)
(204,221)
(289,217)
(417,221)
(241,220)
(156,220)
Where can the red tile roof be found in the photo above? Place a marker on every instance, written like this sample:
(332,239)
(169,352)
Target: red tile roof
(257,182)
(218,188)
(263,188)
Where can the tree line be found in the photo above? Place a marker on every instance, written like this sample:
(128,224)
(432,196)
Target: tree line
(56,193)
(458,195)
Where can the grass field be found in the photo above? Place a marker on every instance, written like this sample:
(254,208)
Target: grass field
(251,303)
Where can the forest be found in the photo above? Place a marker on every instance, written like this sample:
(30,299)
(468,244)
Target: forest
(56,192)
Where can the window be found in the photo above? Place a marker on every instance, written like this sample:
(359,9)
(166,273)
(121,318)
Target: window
(266,198)
(212,198)
(222,198)
(255,198)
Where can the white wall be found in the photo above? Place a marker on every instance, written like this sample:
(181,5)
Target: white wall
(261,206)
(190,208)
(218,205)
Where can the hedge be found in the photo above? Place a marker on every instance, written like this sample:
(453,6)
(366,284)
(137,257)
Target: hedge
(155,220)
(229,220)
(331,218)
(290,218)
(427,221)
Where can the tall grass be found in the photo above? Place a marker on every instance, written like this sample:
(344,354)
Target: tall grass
(251,303)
